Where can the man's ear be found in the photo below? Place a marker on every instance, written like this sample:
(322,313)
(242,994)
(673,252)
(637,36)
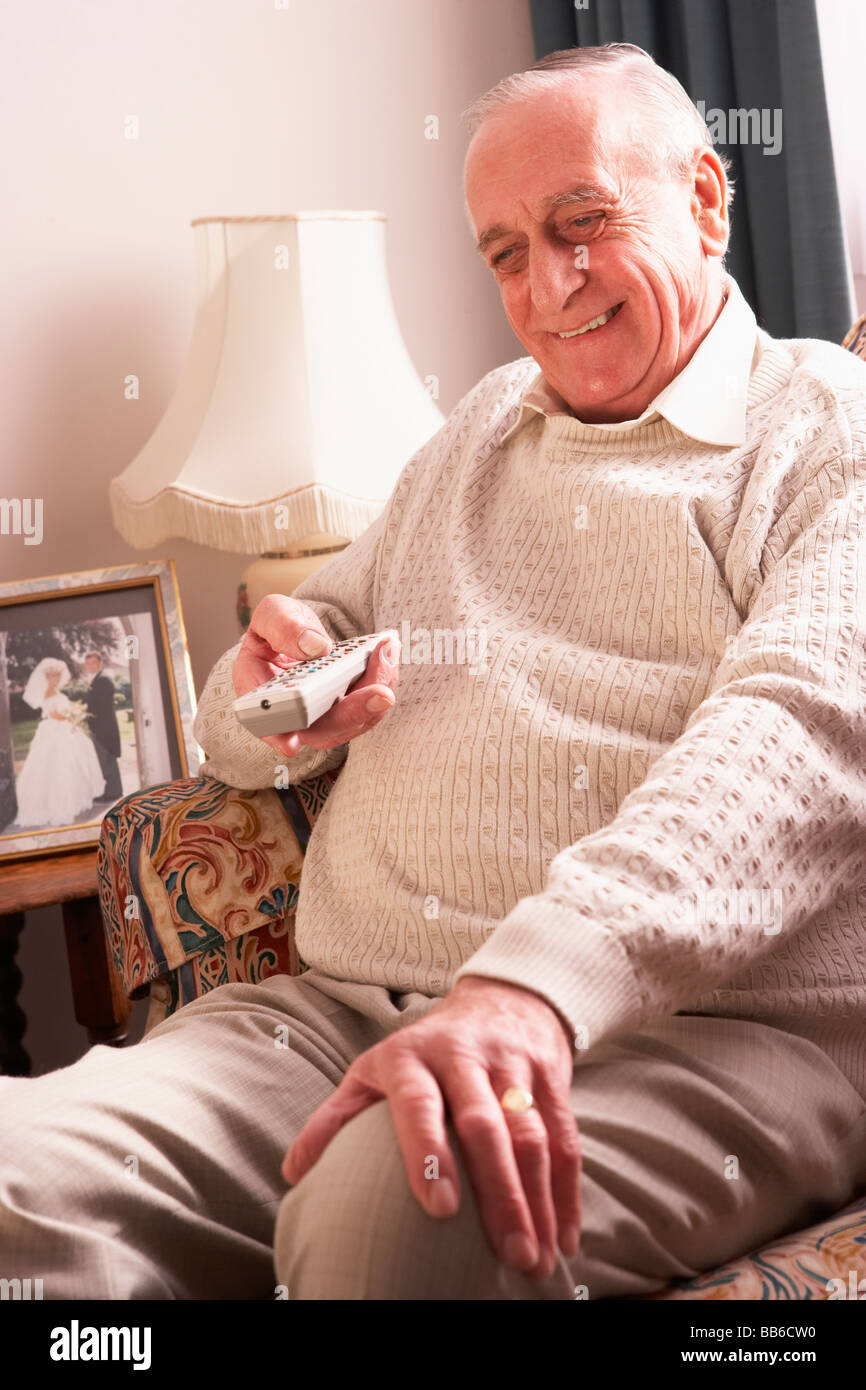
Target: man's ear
(708,204)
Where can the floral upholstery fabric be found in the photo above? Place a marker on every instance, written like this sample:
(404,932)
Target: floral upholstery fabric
(198,884)
(855,338)
(828,1260)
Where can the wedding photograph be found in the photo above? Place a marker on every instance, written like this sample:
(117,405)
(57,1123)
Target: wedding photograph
(93,700)
(74,732)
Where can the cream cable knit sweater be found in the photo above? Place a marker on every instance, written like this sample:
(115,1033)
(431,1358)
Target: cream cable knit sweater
(650,796)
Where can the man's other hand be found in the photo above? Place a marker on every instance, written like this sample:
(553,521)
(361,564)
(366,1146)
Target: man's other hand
(483,1038)
(283,630)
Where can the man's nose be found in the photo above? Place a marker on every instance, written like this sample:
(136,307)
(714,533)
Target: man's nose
(553,279)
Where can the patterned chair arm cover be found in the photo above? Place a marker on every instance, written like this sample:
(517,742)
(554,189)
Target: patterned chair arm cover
(825,1261)
(198,884)
(855,338)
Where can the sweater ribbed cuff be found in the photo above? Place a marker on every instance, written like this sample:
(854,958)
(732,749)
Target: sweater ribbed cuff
(272,769)
(577,966)
(238,758)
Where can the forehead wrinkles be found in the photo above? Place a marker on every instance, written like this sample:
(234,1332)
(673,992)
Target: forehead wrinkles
(585,132)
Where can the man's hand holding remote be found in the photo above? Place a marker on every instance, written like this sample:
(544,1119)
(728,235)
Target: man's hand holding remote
(283,630)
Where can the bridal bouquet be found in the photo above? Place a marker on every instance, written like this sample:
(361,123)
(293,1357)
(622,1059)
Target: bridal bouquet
(78,716)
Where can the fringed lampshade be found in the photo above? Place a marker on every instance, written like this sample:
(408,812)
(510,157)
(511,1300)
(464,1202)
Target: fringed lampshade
(299,404)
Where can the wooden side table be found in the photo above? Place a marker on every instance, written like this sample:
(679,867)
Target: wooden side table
(99,1003)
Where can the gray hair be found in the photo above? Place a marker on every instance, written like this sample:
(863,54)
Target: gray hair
(668,131)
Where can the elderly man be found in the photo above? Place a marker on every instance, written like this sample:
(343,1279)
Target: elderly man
(585,919)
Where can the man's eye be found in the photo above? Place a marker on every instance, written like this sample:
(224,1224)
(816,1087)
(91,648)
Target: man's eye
(584,225)
(586,222)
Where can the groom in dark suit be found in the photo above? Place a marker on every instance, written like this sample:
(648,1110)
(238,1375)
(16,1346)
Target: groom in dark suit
(104,729)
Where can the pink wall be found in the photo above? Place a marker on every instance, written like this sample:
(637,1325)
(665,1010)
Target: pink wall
(243,108)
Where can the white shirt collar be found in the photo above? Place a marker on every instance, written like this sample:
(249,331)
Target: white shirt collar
(706,400)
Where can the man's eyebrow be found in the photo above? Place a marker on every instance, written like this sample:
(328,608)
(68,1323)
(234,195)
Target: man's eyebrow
(578,196)
(581,193)
(493,233)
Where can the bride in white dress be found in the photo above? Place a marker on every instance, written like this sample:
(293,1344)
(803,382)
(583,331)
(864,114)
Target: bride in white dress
(61,776)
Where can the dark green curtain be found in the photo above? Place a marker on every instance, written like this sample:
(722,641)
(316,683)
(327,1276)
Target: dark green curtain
(787,248)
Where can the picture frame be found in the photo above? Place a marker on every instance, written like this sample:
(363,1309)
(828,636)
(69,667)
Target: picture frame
(95,687)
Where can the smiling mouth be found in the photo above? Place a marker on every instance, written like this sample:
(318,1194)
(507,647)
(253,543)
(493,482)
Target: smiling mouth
(593,323)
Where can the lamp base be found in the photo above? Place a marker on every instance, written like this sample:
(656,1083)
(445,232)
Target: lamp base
(280,572)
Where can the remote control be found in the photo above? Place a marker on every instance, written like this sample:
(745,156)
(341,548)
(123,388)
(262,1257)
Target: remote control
(304,691)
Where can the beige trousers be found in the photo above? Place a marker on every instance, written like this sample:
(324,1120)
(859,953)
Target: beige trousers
(153,1172)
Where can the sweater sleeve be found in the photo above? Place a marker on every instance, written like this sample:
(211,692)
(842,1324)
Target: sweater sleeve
(342,593)
(760,801)
(237,757)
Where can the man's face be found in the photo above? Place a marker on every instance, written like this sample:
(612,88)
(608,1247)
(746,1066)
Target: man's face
(92,665)
(645,247)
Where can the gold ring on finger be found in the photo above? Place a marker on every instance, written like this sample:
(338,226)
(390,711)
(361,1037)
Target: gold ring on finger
(516,1099)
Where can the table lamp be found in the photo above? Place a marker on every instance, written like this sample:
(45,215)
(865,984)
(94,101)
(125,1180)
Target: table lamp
(298,407)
